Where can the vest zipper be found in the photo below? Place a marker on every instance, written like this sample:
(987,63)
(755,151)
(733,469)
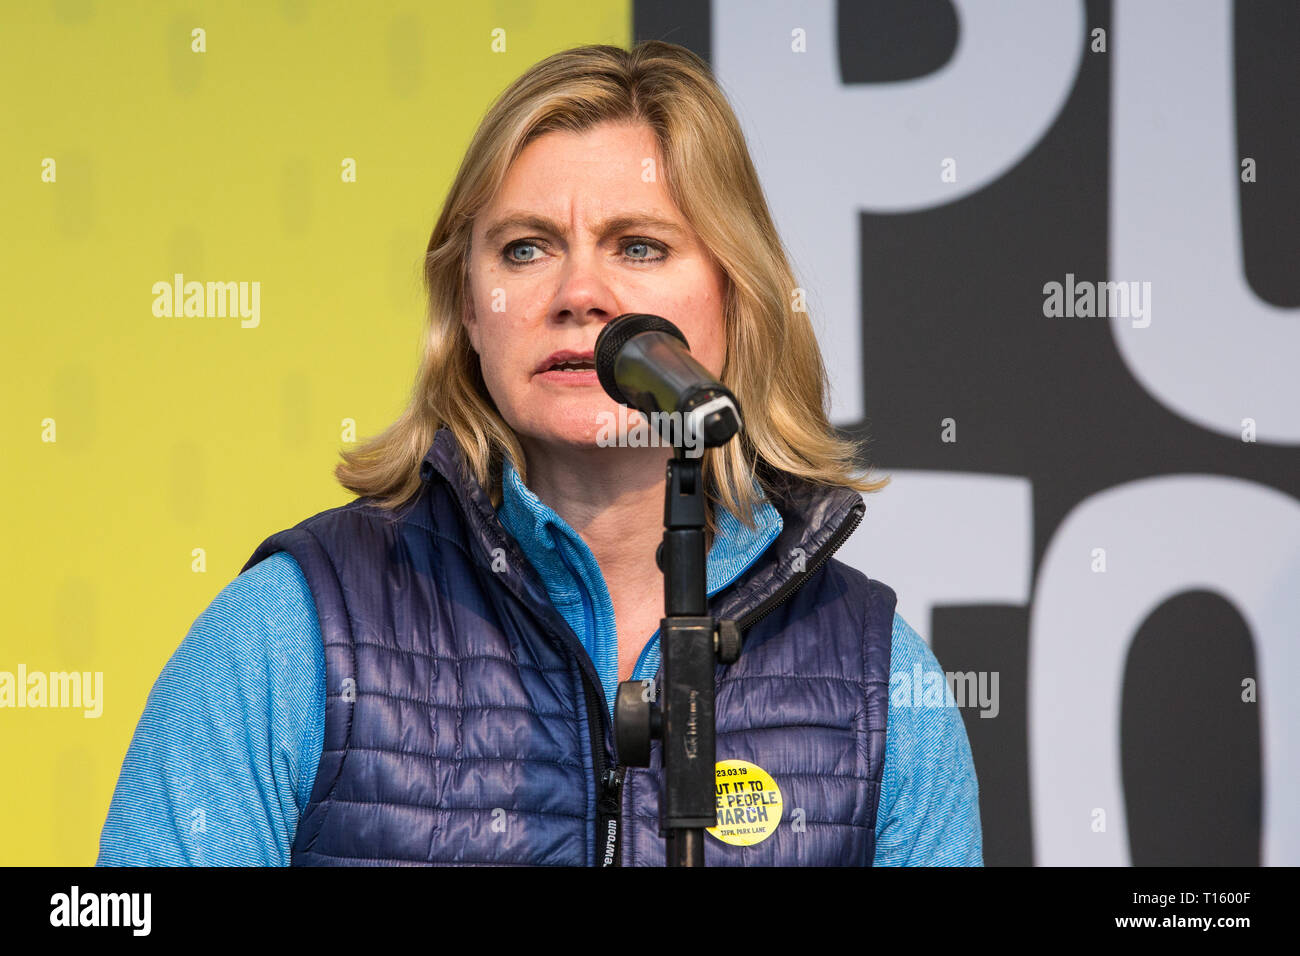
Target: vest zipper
(607,821)
(845,529)
(611,816)
(596,727)
(592,695)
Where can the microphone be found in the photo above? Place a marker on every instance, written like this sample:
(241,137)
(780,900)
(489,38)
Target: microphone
(645,362)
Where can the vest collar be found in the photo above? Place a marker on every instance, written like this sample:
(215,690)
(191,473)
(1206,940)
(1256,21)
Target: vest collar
(816,520)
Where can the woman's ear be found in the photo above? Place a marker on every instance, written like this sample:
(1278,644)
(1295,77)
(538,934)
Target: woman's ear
(470,323)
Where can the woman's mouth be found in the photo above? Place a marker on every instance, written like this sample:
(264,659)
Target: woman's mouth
(571,373)
(568,367)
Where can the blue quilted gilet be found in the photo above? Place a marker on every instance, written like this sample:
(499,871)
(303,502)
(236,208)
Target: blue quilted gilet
(465,723)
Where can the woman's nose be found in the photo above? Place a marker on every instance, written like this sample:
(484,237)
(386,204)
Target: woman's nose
(584,290)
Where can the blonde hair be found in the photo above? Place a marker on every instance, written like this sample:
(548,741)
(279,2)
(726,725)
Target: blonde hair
(707,170)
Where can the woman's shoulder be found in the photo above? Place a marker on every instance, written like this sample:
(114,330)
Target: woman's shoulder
(253,655)
(908,648)
(277,580)
(267,603)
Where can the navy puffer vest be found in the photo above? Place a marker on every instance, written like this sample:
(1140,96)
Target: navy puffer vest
(466,724)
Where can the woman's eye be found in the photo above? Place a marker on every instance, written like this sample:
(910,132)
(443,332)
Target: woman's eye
(648,247)
(515,246)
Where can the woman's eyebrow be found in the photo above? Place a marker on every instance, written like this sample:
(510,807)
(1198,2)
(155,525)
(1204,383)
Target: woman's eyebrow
(621,223)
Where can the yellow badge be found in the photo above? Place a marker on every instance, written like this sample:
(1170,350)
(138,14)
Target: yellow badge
(749,803)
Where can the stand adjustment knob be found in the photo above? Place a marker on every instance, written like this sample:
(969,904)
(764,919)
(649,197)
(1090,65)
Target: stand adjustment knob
(727,641)
(636,721)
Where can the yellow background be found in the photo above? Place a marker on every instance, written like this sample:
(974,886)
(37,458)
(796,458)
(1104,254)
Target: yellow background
(183,433)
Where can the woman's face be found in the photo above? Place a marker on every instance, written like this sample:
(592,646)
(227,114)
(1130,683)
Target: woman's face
(581,232)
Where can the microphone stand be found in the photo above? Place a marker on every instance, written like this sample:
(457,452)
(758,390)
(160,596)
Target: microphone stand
(683,718)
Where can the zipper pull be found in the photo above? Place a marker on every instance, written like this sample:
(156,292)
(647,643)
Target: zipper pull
(611,789)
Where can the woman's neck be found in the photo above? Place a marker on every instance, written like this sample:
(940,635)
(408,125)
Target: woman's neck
(613,498)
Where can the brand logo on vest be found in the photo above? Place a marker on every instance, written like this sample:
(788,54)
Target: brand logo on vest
(749,803)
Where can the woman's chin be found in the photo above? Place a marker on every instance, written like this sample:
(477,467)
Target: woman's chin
(598,423)
(584,435)
(571,430)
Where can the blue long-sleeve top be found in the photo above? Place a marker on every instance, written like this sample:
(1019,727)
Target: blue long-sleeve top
(224,757)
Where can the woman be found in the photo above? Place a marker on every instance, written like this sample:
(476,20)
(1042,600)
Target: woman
(426,675)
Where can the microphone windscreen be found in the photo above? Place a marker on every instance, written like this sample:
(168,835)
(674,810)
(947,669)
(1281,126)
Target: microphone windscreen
(615,335)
